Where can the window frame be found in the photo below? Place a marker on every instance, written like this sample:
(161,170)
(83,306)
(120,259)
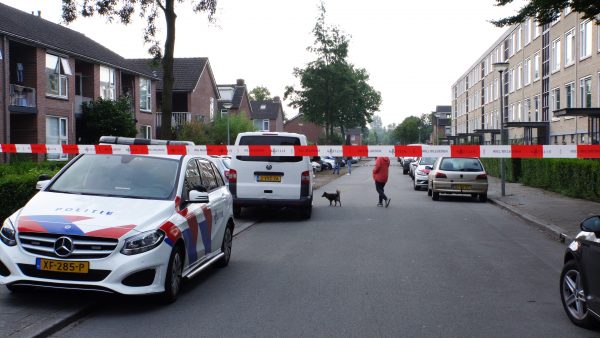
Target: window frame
(62,76)
(147,95)
(62,137)
(584,102)
(555,54)
(587,41)
(110,85)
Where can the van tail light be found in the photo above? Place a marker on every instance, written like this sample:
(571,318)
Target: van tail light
(482,177)
(440,175)
(226,172)
(305,178)
(231,176)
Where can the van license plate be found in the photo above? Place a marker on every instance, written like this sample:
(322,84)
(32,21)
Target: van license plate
(461,186)
(62,266)
(269,178)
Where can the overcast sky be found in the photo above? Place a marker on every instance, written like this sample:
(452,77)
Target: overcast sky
(413,50)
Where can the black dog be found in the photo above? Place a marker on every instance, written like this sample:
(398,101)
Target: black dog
(333,198)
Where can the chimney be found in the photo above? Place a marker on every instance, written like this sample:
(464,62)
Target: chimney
(240,82)
(40,14)
(276,99)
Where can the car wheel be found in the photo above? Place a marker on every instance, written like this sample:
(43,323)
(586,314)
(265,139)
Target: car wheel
(237,212)
(173,277)
(482,198)
(404,171)
(429,192)
(226,247)
(435,196)
(415,186)
(306,212)
(573,296)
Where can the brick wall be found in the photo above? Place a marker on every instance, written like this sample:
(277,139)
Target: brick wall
(311,130)
(143,117)
(199,98)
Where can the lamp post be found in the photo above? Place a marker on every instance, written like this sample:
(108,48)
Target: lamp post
(501,67)
(227,106)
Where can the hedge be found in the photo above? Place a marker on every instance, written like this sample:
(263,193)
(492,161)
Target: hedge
(17,183)
(577,178)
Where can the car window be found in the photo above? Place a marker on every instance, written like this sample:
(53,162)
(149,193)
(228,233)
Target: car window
(119,176)
(427,160)
(461,164)
(271,140)
(209,181)
(220,181)
(192,177)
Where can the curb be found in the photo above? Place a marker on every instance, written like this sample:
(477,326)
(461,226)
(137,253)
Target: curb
(60,324)
(557,232)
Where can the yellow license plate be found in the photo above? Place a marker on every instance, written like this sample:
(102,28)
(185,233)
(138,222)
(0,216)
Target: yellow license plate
(272,178)
(62,266)
(462,186)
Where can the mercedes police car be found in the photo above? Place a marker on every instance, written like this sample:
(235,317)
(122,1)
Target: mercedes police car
(128,224)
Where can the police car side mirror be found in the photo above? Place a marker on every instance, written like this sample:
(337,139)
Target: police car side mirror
(198,197)
(41,185)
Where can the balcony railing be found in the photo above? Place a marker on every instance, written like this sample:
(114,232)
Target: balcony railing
(177,119)
(21,96)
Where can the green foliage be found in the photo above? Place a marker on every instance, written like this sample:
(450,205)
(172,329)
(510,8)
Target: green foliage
(334,139)
(333,93)
(17,183)
(107,117)
(215,133)
(492,167)
(408,131)
(260,93)
(545,11)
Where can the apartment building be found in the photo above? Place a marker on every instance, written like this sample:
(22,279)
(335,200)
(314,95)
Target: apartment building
(551,88)
(47,71)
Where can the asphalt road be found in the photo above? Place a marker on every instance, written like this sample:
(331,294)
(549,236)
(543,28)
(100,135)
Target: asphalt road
(453,268)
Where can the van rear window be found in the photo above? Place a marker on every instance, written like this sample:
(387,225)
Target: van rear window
(269,140)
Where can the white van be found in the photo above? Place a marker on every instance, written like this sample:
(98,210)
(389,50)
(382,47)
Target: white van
(271,180)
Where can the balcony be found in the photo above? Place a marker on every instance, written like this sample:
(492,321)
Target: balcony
(79,100)
(177,119)
(22,100)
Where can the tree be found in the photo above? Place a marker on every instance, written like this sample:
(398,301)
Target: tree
(545,11)
(150,10)
(333,93)
(408,131)
(107,117)
(260,93)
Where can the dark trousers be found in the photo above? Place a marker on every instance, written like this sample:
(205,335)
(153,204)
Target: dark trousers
(379,187)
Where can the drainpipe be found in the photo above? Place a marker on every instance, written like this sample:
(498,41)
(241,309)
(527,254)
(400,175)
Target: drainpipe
(5,80)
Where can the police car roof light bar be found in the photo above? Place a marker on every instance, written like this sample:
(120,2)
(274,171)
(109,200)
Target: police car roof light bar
(140,141)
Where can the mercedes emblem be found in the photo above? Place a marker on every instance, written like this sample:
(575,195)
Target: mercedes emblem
(63,247)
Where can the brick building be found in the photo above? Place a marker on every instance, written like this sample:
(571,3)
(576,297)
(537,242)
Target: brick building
(297,124)
(236,95)
(47,71)
(267,115)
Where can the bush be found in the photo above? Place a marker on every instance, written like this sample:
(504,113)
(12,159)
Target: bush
(107,117)
(215,133)
(194,131)
(17,183)
(492,167)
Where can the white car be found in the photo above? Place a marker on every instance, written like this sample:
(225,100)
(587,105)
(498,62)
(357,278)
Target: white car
(271,180)
(424,165)
(127,224)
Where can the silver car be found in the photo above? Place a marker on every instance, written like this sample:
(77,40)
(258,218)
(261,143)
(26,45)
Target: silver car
(453,175)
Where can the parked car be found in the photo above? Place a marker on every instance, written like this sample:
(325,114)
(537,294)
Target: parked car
(223,164)
(271,180)
(579,279)
(406,161)
(324,165)
(453,175)
(412,166)
(421,174)
(127,224)
(316,166)
(331,159)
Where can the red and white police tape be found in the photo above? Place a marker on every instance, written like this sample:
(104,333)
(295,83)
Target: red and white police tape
(489,151)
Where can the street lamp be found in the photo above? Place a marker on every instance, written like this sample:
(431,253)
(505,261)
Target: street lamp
(501,67)
(227,106)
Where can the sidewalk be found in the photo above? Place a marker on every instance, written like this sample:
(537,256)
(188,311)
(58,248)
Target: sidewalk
(557,214)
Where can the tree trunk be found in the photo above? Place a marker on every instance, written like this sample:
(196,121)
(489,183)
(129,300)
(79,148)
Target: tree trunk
(167,63)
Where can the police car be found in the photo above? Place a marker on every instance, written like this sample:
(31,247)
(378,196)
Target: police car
(128,224)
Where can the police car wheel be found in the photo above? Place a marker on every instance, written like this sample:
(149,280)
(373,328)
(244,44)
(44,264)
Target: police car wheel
(226,247)
(173,278)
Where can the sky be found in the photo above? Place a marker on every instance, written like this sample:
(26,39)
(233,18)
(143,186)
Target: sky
(413,50)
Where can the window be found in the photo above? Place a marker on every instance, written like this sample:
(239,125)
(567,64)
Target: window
(192,178)
(556,55)
(568,10)
(211,107)
(570,47)
(536,30)
(145,132)
(57,72)
(555,99)
(519,37)
(107,83)
(556,20)
(585,30)
(585,87)
(526,72)
(519,76)
(209,180)
(511,80)
(527,110)
(265,125)
(536,108)
(570,92)
(56,133)
(536,66)
(496,89)
(519,111)
(145,94)
(526,31)
(513,44)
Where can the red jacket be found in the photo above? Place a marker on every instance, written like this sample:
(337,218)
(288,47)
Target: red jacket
(380,172)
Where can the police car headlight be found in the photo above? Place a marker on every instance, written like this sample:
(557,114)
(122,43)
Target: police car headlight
(8,235)
(143,242)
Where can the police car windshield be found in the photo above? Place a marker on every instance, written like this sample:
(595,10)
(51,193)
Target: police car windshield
(119,176)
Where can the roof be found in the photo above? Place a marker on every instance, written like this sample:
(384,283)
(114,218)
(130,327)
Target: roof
(443,109)
(267,109)
(186,71)
(238,95)
(34,30)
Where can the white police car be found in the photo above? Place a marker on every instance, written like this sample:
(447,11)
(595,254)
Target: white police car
(128,224)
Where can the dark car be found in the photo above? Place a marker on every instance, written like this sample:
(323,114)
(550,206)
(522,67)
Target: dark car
(406,161)
(580,276)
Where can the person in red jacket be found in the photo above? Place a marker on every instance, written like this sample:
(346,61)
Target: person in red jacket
(380,176)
